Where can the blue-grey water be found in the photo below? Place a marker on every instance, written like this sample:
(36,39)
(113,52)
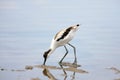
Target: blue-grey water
(27,28)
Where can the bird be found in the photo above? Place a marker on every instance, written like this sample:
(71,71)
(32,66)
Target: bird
(62,38)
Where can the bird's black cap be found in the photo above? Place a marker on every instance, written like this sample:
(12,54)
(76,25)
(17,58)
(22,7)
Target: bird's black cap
(45,56)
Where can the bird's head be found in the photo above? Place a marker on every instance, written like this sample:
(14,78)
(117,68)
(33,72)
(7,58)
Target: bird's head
(45,55)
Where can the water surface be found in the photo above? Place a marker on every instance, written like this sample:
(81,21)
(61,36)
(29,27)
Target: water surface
(27,27)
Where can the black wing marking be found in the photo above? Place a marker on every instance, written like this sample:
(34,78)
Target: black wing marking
(65,34)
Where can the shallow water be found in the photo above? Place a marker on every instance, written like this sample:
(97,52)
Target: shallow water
(26,30)
(19,51)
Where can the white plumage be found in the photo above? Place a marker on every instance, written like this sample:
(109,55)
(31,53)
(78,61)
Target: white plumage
(61,39)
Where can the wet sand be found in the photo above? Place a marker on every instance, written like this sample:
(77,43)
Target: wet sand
(117,71)
(64,69)
(69,67)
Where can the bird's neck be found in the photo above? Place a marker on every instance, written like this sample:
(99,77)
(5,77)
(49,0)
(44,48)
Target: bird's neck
(52,47)
(51,51)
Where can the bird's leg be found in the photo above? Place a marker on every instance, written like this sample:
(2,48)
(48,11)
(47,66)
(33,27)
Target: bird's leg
(75,61)
(63,69)
(64,55)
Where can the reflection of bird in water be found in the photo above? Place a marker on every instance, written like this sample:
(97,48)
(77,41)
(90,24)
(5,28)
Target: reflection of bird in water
(61,39)
(48,74)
